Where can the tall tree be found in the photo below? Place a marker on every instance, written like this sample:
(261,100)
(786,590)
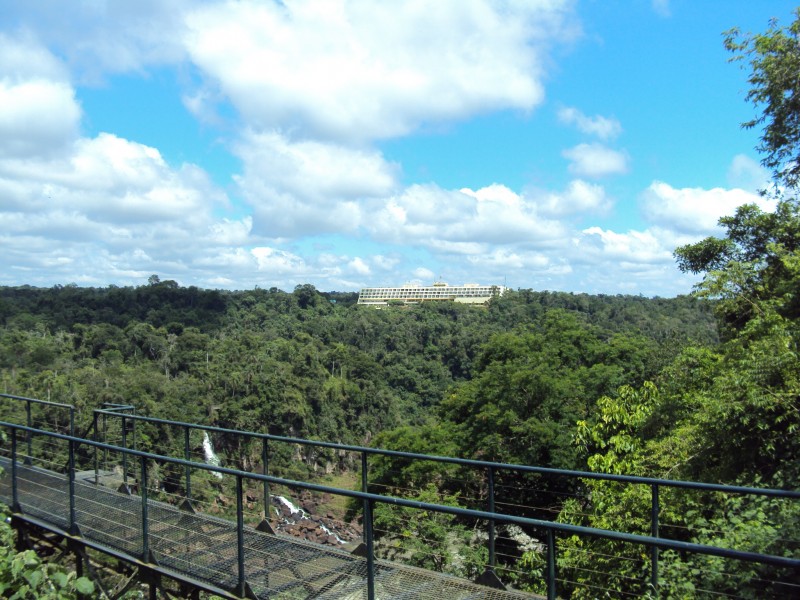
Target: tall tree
(774,61)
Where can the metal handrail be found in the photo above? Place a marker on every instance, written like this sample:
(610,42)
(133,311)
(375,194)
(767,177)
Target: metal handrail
(712,487)
(369,500)
(37,401)
(490,467)
(29,417)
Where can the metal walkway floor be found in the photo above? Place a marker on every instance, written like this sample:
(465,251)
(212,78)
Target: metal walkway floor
(203,548)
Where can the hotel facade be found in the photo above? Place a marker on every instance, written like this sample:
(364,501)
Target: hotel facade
(469,293)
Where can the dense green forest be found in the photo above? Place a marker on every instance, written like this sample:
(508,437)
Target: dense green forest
(313,364)
(702,387)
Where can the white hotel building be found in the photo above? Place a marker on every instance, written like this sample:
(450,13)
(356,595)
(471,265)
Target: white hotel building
(469,293)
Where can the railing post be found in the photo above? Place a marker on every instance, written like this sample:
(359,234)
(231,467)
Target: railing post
(133,433)
(655,509)
(96,452)
(187,457)
(71,479)
(265,471)
(124,454)
(492,559)
(551,565)
(240,587)
(14,490)
(370,543)
(29,421)
(105,441)
(365,489)
(72,421)
(145,526)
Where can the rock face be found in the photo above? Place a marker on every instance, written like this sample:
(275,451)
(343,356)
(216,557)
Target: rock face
(306,522)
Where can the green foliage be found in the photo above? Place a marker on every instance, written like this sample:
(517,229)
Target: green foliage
(773,58)
(430,540)
(295,363)
(754,268)
(531,387)
(750,524)
(612,443)
(24,576)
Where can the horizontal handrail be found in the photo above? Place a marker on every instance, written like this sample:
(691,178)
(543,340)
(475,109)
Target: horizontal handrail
(644,540)
(713,487)
(37,401)
(110,407)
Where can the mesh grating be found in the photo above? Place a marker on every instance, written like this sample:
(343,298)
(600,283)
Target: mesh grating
(204,547)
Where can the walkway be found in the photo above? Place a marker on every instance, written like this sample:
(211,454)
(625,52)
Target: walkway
(198,547)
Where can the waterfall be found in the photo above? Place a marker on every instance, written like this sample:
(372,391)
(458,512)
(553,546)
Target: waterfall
(208,451)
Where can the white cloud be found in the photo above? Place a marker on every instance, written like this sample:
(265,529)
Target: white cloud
(115,181)
(357,265)
(231,233)
(36,117)
(631,247)
(23,59)
(502,260)
(747,174)
(38,110)
(100,209)
(423,276)
(279,262)
(307,187)
(694,210)
(429,215)
(595,160)
(106,37)
(315,170)
(385,263)
(579,197)
(605,128)
(358,70)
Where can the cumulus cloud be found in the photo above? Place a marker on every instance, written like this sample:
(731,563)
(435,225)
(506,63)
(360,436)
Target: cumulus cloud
(38,110)
(578,197)
(631,247)
(107,37)
(36,117)
(315,170)
(595,160)
(605,128)
(359,266)
(695,210)
(307,187)
(429,215)
(95,209)
(357,70)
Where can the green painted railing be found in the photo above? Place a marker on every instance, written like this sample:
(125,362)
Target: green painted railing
(369,500)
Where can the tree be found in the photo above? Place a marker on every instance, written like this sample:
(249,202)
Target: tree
(757,263)
(774,61)
(754,265)
(23,575)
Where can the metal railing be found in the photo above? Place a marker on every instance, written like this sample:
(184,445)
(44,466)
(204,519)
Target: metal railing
(37,415)
(654,542)
(369,501)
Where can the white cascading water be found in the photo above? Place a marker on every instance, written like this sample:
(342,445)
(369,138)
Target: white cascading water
(211,457)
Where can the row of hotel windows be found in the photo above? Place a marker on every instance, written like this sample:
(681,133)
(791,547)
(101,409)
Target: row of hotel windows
(444,292)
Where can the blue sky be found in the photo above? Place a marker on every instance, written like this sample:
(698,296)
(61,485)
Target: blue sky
(546,144)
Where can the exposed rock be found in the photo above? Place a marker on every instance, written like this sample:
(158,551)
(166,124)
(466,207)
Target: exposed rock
(306,524)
